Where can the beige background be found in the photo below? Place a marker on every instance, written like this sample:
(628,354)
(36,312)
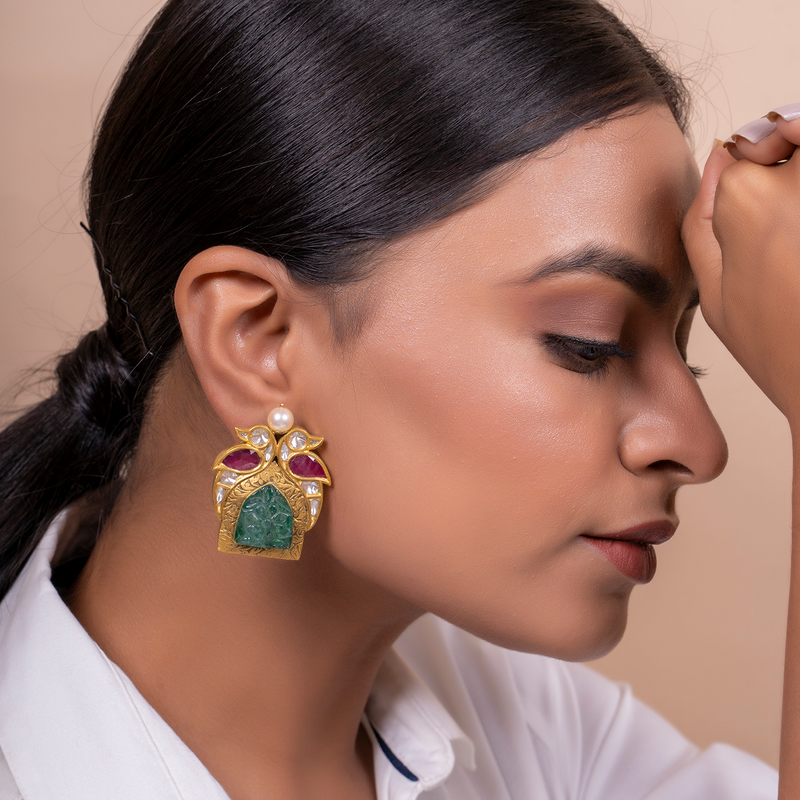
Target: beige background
(705,641)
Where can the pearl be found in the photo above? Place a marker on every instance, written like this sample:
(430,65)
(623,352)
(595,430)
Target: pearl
(280,419)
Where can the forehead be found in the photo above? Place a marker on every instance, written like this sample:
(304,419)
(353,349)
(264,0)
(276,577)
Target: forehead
(626,183)
(623,186)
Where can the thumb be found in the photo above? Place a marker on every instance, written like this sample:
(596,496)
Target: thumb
(699,240)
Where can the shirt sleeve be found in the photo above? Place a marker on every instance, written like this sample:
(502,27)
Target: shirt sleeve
(615,747)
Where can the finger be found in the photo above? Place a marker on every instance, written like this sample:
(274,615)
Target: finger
(787,119)
(731,146)
(759,141)
(699,240)
(772,148)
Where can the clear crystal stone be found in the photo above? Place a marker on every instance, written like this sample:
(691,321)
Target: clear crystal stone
(243,434)
(220,494)
(298,440)
(284,451)
(310,487)
(268,454)
(228,478)
(259,437)
(314,507)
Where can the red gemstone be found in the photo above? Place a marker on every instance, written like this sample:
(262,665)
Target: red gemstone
(306,467)
(242,460)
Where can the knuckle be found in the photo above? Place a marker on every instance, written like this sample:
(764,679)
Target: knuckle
(743,183)
(731,180)
(745,191)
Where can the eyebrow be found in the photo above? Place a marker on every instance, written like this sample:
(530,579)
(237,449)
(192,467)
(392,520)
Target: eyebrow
(645,280)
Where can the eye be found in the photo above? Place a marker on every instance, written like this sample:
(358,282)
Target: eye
(586,356)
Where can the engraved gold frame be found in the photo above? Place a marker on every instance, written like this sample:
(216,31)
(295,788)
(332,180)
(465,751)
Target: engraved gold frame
(303,495)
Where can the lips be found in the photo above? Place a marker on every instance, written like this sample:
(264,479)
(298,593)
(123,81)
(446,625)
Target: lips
(631,551)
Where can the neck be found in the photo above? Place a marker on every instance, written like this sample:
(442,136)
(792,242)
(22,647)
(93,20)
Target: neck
(278,655)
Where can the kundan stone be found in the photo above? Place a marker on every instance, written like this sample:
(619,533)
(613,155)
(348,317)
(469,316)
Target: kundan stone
(229,478)
(298,440)
(259,437)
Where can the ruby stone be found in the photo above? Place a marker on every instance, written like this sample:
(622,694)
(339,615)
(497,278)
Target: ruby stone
(242,460)
(306,467)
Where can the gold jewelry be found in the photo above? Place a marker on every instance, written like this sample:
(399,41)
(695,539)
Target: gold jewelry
(268,493)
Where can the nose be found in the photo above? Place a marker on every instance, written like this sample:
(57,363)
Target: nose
(672,431)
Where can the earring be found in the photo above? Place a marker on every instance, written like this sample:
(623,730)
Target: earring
(268,488)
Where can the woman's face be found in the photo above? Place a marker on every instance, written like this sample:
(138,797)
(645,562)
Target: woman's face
(520,391)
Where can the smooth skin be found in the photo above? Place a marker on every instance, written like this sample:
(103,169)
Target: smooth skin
(473,436)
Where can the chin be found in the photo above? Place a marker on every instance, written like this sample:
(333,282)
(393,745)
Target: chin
(581,636)
(592,646)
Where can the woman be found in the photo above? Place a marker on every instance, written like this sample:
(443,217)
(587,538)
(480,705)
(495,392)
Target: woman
(446,236)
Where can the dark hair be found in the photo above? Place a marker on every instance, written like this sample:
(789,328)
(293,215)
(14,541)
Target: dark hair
(313,132)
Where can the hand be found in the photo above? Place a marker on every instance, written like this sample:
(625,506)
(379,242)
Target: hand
(742,235)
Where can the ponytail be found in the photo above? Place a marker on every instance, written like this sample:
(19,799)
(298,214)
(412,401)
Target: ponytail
(72,443)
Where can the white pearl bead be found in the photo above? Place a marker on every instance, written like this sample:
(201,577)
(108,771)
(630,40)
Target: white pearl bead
(280,419)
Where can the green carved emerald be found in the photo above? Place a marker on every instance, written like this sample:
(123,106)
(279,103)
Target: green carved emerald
(265,520)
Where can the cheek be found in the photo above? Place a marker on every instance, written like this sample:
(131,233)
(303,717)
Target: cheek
(462,471)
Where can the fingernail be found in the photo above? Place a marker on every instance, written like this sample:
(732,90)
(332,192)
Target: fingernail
(754,131)
(729,142)
(717,144)
(790,112)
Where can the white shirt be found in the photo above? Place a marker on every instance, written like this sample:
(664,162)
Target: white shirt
(459,719)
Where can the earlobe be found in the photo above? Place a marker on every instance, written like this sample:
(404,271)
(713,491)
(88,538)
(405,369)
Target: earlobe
(235,310)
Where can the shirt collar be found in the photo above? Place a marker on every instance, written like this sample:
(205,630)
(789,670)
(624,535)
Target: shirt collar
(416,729)
(72,725)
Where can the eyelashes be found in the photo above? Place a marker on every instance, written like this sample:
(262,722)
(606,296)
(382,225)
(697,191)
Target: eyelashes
(587,356)
(698,372)
(593,357)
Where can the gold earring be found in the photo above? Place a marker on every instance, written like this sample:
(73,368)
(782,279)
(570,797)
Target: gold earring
(268,488)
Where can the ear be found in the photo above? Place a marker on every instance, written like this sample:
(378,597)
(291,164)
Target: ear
(236,310)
